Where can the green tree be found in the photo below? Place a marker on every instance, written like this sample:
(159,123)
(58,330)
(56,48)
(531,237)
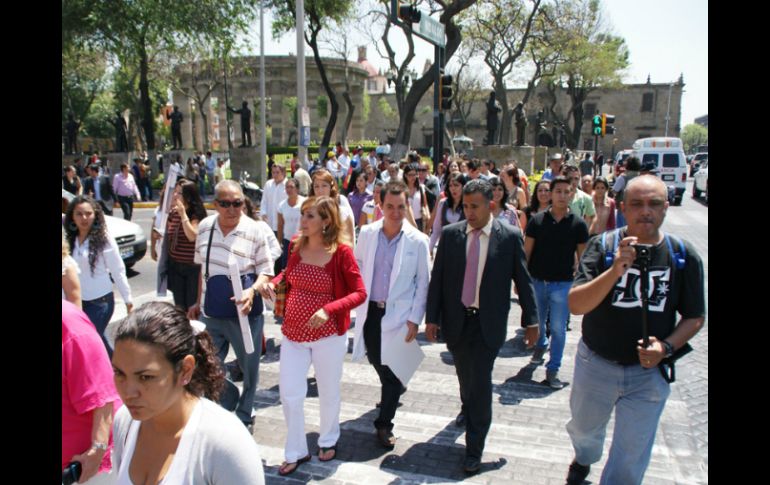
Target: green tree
(318,14)
(84,79)
(592,59)
(694,135)
(500,29)
(132,29)
(407,99)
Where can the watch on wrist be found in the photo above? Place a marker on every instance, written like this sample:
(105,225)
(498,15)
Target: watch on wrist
(99,446)
(668,348)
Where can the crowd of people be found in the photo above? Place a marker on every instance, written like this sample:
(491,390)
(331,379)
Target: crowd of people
(360,233)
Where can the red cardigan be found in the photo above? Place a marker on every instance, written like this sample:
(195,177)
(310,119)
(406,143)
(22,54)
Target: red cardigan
(349,288)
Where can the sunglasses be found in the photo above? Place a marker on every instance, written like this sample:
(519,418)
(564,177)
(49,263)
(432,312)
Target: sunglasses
(422,169)
(227,203)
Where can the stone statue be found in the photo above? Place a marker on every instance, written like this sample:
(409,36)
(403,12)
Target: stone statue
(121,132)
(176,127)
(71,127)
(245,113)
(521,123)
(493,108)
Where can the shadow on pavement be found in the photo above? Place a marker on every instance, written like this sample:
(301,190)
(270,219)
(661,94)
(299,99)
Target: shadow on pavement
(439,457)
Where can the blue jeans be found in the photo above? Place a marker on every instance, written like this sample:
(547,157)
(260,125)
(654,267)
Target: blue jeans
(100,311)
(551,299)
(637,395)
(225,332)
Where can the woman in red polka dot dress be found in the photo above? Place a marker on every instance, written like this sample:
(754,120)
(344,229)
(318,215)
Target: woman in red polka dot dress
(323,285)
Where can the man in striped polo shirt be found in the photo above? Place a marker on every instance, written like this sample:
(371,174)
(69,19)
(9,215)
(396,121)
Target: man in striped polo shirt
(222,238)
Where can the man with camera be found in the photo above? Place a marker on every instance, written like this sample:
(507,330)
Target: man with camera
(614,369)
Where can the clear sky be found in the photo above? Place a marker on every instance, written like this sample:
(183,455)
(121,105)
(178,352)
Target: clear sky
(665,38)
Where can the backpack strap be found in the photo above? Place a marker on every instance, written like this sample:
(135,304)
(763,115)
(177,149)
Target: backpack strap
(208,249)
(679,257)
(609,253)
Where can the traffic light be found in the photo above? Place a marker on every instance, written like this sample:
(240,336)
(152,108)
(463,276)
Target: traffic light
(597,124)
(445,91)
(607,121)
(409,13)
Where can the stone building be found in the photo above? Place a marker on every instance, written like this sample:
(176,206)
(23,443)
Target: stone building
(640,111)
(280,88)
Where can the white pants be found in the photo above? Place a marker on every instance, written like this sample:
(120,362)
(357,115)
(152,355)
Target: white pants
(327,356)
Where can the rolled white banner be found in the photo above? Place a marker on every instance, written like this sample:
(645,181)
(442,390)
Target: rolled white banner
(235,278)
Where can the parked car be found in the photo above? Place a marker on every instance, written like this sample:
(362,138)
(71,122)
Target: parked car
(130,236)
(701,183)
(697,161)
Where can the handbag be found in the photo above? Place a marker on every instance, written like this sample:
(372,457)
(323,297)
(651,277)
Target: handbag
(279,308)
(219,290)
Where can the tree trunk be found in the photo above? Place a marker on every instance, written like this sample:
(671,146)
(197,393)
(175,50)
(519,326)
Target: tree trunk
(348,117)
(206,143)
(324,146)
(148,120)
(421,86)
(503,136)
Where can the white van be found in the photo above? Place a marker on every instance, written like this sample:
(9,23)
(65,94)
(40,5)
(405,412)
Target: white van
(666,155)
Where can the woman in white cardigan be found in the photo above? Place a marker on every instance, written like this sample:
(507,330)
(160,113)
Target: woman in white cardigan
(169,429)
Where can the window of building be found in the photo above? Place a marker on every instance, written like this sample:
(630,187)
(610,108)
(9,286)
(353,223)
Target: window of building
(589,111)
(429,140)
(588,143)
(644,135)
(647,99)
(372,85)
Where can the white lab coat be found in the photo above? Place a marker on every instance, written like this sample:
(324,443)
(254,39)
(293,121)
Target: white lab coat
(408,291)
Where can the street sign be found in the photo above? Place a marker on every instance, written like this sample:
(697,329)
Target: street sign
(433,30)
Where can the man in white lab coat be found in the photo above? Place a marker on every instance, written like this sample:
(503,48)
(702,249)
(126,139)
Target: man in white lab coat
(393,258)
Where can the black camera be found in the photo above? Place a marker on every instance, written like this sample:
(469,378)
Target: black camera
(71,473)
(643,253)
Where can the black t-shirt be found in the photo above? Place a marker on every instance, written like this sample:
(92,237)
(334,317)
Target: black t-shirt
(553,256)
(613,329)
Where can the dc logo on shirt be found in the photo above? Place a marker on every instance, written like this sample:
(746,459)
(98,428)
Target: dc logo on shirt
(627,292)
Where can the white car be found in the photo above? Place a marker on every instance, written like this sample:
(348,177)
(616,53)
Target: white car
(701,183)
(129,235)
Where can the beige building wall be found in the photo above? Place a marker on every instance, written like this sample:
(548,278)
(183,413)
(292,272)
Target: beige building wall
(280,83)
(626,103)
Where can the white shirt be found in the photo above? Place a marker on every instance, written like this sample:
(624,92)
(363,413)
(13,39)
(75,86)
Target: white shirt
(291,216)
(416,203)
(215,448)
(483,249)
(109,262)
(345,162)
(274,194)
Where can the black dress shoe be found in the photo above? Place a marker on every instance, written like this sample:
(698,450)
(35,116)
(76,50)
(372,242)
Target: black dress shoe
(472,465)
(460,420)
(577,473)
(386,438)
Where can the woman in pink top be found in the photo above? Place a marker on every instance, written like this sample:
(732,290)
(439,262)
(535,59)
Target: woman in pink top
(88,395)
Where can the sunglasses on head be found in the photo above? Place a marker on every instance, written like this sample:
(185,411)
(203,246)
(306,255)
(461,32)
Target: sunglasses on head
(227,203)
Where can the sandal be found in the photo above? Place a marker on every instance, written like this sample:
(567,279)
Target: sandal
(326,449)
(284,469)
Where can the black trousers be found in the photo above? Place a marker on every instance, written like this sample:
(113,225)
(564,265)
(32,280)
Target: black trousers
(474,362)
(183,283)
(391,385)
(127,206)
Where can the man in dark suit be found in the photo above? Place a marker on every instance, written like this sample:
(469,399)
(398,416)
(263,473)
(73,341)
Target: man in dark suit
(470,295)
(100,188)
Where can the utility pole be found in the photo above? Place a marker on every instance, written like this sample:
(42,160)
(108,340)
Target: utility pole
(262,125)
(668,109)
(303,124)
